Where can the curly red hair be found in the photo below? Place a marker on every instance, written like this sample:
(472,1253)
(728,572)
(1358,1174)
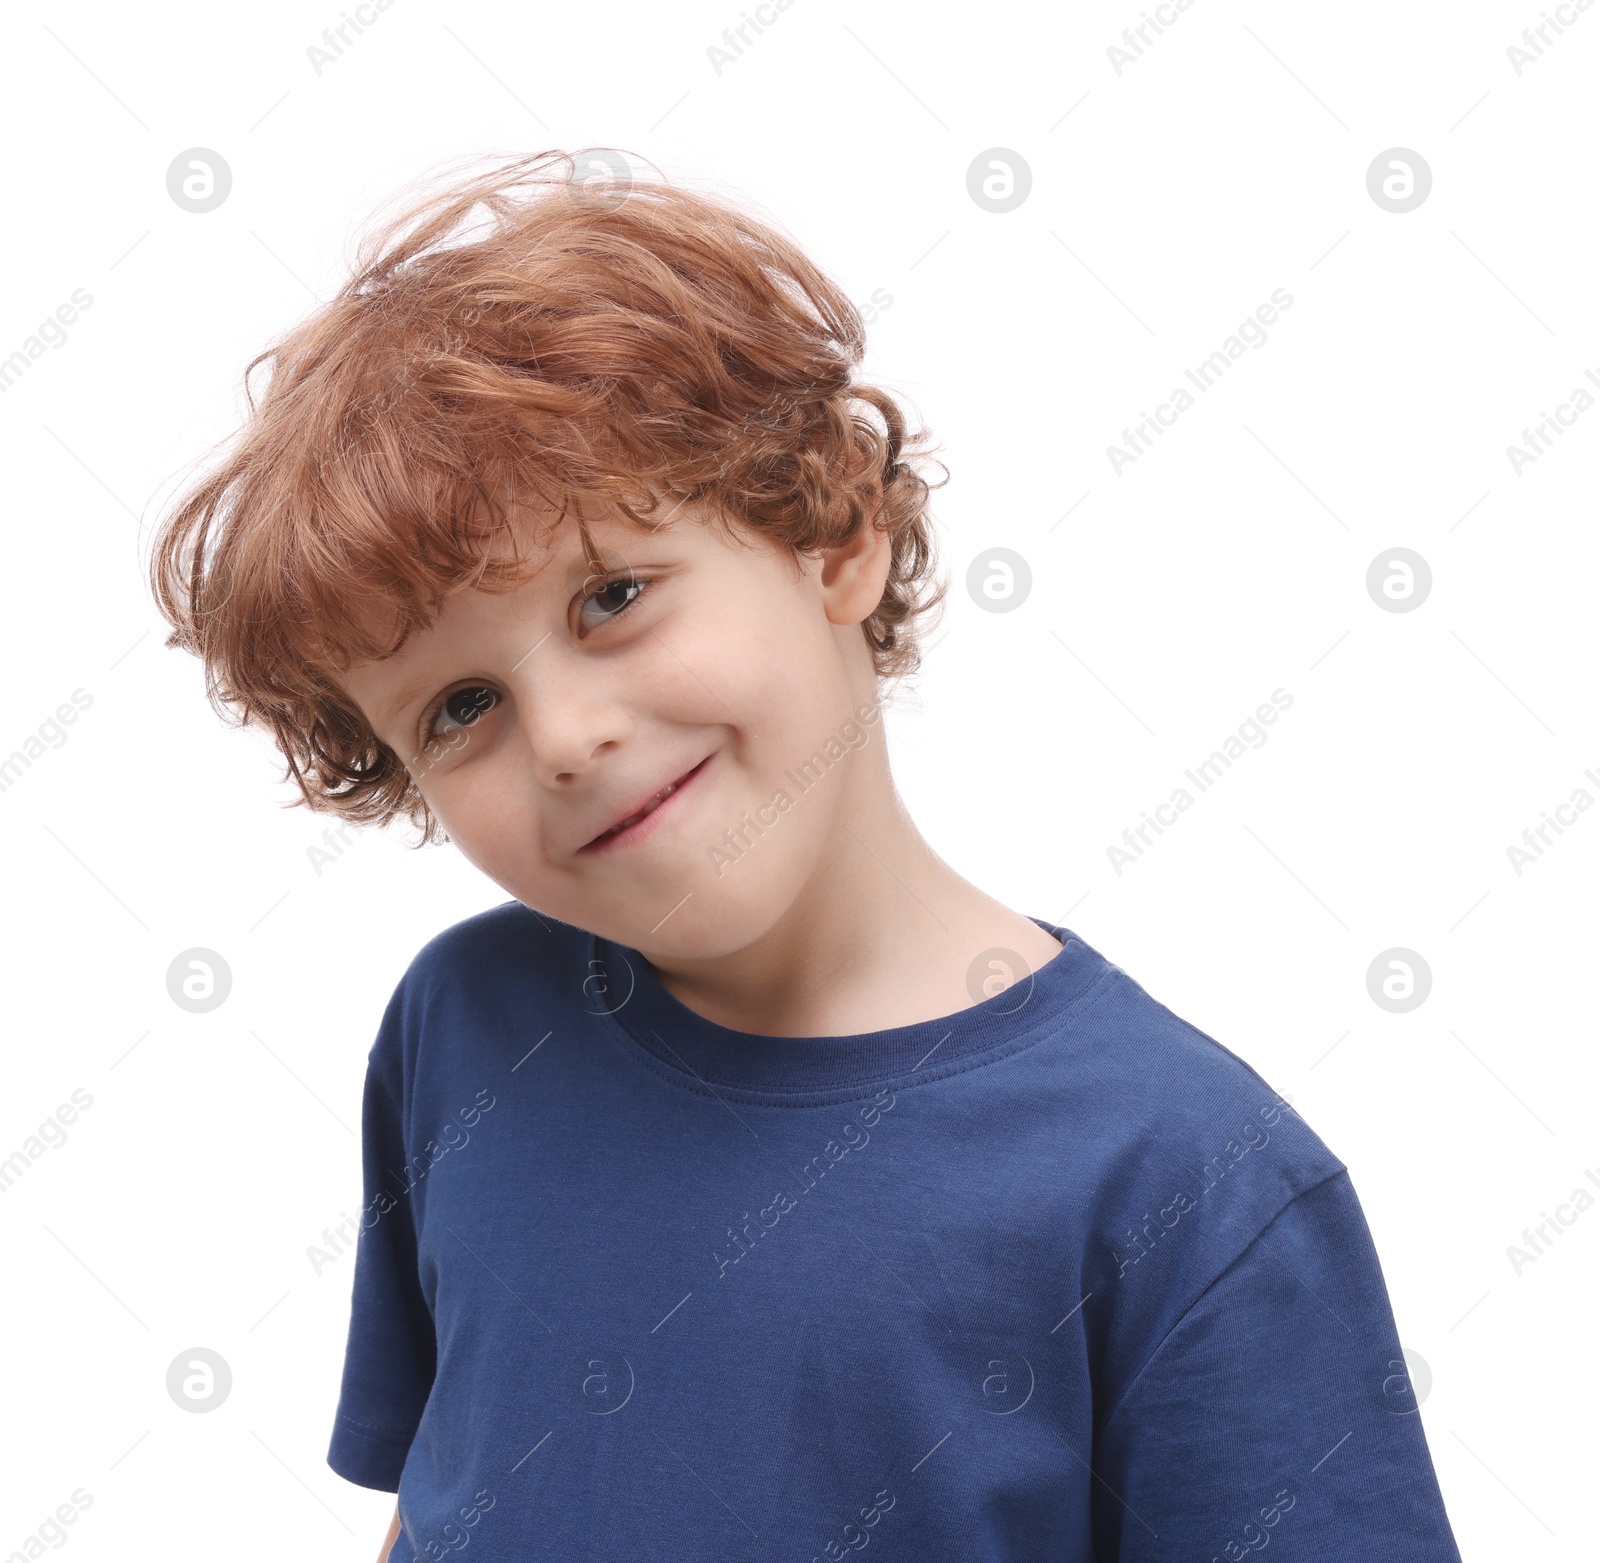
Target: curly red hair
(618,341)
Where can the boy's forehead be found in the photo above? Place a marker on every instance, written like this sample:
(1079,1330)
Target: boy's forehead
(547,535)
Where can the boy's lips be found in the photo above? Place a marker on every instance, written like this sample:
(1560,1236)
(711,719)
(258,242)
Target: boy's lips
(627,827)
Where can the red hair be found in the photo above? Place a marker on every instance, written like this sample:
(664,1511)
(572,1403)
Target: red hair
(620,342)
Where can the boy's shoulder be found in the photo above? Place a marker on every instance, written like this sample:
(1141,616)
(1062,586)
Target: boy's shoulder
(1188,1155)
(1170,1102)
(478,973)
(510,939)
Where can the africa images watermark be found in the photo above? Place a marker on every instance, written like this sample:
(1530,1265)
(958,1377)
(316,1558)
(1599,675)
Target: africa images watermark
(335,40)
(1535,40)
(1536,838)
(50,734)
(50,1533)
(1252,331)
(50,1135)
(319,857)
(735,40)
(1537,440)
(852,1137)
(52,330)
(1251,732)
(737,840)
(1539,1240)
(1135,40)
(453,1136)
(1251,1136)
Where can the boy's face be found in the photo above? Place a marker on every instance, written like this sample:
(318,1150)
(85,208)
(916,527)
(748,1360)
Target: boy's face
(729,668)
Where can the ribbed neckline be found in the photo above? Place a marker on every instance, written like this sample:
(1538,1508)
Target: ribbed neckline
(701,1050)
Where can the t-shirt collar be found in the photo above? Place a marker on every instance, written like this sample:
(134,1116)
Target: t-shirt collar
(625,988)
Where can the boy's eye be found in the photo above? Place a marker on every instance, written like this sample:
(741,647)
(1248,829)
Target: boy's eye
(613,599)
(462,706)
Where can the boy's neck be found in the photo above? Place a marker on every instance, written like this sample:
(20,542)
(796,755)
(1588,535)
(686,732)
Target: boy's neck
(884,934)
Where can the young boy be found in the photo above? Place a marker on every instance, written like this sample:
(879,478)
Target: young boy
(749,1185)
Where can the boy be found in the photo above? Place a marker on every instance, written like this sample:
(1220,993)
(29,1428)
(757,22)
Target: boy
(750,1185)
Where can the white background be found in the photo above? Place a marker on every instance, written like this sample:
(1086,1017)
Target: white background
(1167,603)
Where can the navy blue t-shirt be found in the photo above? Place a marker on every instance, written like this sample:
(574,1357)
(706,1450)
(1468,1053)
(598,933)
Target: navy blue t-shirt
(1054,1277)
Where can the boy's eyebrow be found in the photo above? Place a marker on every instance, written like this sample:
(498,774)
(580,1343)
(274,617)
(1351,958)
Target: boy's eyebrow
(395,708)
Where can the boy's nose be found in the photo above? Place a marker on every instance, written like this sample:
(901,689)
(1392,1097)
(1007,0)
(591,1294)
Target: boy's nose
(568,727)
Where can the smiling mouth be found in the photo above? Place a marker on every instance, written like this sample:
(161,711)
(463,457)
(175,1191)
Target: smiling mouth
(644,811)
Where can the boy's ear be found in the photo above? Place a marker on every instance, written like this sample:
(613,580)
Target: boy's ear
(853,575)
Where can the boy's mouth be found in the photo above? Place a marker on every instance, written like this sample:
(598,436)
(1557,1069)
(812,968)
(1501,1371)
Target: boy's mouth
(628,826)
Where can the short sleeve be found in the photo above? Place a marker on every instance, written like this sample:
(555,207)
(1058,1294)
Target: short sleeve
(1278,1407)
(391,1351)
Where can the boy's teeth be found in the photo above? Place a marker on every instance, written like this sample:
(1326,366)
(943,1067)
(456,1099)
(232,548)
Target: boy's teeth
(633,819)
